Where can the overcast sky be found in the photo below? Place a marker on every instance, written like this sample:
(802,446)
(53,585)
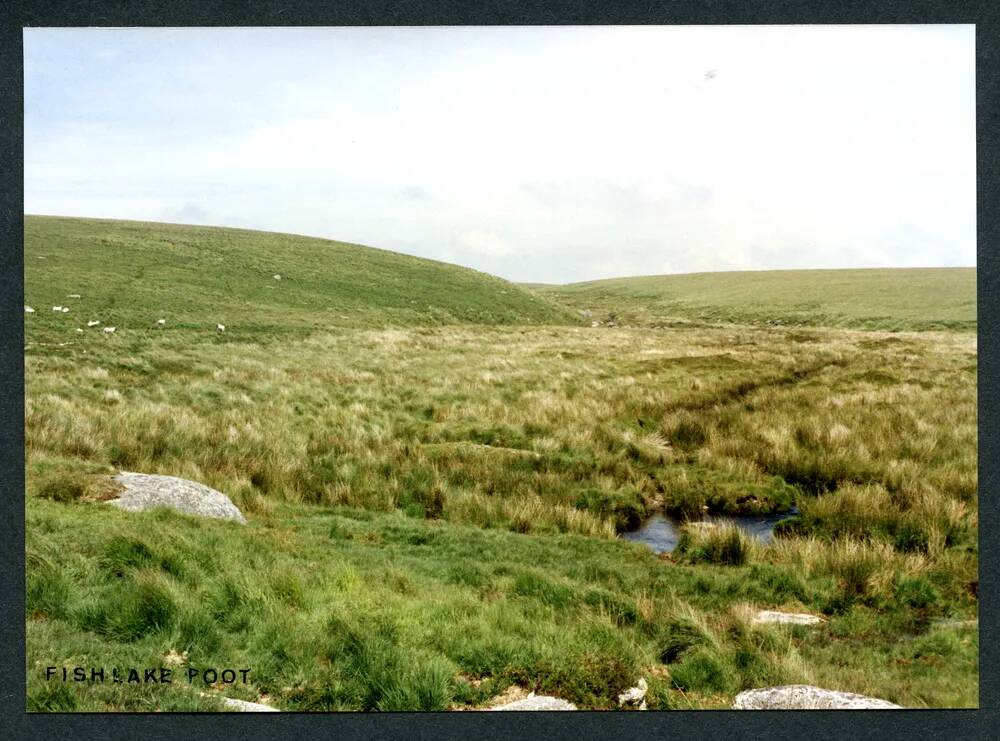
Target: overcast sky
(537,154)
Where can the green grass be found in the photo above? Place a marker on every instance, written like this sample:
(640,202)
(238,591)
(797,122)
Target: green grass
(432,507)
(130,274)
(347,609)
(887,299)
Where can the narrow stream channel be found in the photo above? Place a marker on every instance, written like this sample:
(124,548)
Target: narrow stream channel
(661,531)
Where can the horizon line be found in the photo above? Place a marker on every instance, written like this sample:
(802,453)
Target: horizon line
(515,282)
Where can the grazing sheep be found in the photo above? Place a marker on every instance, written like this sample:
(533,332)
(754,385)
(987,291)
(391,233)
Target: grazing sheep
(93,323)
(56,308)
(65,310)
(78,329)
(161,321)
(221,327)
(110,330)
(28,310)
(73,295)
(277,277)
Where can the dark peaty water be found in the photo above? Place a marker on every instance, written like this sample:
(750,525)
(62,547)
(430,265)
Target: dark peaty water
(661,531)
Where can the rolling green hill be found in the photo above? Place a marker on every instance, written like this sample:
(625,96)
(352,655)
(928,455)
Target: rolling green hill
(130,274)
(892,298)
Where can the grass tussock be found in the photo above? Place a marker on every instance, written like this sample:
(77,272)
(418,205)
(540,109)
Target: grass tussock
(725,544)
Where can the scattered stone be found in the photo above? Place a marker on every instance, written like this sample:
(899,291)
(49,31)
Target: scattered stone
(147,491)
(537,702)
(110,330)
(634,696)
(806,697)
(28,309)
(947,623)
(242,706)
(93,323)
(790,618)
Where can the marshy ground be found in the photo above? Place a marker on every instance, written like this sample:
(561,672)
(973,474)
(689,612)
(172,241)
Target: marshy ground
(433,501)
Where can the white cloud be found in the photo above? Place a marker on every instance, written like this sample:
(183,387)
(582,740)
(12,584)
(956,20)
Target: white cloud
(487,244)
(550,154)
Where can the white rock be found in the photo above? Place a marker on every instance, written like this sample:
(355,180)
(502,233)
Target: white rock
(28,310)
(93,323)
(790,618)
(806,697)
(148,491)
(221,327)
(537,702)
(110,330)
(948,623)
(242,706)
(635,695)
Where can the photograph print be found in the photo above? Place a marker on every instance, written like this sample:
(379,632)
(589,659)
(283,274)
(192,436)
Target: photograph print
(621,368)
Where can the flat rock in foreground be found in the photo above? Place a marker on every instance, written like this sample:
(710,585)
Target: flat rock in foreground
(538,702)
(147,491)
(242,706)
(789,618)
(806,697)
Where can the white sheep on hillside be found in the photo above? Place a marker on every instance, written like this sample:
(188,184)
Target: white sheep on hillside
(161,321)
(28,310)
(221,327)
(57,308)
(93,323)
(110,330)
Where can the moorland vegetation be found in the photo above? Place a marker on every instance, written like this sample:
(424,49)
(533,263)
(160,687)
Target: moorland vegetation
(434,464)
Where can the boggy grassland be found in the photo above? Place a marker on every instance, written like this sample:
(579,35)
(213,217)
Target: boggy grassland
(433,506)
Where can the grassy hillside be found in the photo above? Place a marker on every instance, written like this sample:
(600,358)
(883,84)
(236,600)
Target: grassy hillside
(889,299)
(130,274)
(432,510)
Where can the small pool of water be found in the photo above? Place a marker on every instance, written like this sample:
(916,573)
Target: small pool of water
(661,531)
